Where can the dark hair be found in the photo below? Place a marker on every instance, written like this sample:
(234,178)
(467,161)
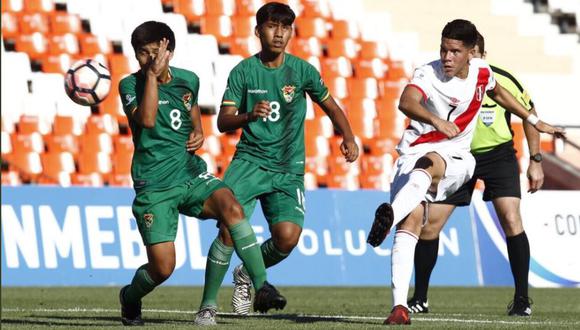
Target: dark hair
(275,12)
(480,43)
(462,30)
(152,31)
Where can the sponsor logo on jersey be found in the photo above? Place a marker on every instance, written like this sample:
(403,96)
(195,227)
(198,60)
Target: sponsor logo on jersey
(288,92)
(129,99)
(257,91)
(163,102)
(148,218)
(479,93)
(487,116)
(187,100)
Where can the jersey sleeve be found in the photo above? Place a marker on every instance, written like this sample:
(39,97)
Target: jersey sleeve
(314,85)
(235,89)
(491,82)
(195,89)
(421,82)
(128,95)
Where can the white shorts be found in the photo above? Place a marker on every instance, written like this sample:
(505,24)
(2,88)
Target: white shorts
(460,165)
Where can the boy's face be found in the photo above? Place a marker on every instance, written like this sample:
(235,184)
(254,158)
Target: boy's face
(455,57)
(147,53)
(274,36)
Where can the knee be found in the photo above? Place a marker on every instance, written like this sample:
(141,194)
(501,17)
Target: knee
(286,239)
(161,272)
(224,236)
(232,214)
(512,223)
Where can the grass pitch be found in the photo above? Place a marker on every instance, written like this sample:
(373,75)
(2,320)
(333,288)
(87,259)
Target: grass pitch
(308,308)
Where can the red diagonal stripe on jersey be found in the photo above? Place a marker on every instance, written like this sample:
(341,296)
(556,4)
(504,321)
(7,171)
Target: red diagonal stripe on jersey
(463,119)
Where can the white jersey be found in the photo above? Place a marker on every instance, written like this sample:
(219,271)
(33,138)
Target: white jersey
(453,99)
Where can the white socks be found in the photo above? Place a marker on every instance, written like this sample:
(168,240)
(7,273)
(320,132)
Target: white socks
(411,195)
(402,258)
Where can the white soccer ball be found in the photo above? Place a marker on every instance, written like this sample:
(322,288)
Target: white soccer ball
(87,82)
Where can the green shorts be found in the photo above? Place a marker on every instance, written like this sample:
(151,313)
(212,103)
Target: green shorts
(281,194)
(157,212)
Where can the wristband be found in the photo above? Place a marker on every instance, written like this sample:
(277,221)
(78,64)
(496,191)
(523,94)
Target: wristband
(532,119)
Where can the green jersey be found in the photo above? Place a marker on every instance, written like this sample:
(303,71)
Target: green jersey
(493,125)
(275,143)
(160,159)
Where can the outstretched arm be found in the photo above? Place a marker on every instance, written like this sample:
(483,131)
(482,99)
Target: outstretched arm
(349,148)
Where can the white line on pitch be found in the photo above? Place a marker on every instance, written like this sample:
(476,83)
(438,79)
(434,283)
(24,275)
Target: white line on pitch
(313,316)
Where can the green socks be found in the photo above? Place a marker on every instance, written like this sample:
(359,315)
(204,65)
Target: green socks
(248,250)
(271,254)
(218,261)
(140,286)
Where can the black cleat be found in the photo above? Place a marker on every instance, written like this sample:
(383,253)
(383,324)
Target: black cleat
(130,313)
(267,298)
(381,225)
(417,305)
(520,306)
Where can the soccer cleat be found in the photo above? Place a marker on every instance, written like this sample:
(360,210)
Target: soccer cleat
(417,305)
(130,313)
(381,225)
(399,315)
(520,306)
(267,298)
(206,316)
(242,296)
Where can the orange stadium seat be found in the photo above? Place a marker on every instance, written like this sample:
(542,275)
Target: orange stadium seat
(94,162)
(343,181)
(6,143)
(336,67)
(220,7)
(28,164)
(9,25)
(361,107)
(63,43)
(305,47)
(32,142)
(363,88)
(33,6)
(248,7)
(374,181)
(391,90)
(62,143)
(372,49)
(120,180)
(104,123)
(33,22)
(315,8)
(96,142)
(342,29)
(193,10)
(62,22)
(11,6)
(209,125)
(307,27)
(88,180)
(63,125)
(342,47)
(119,64)
(28,125)
(53,163)
(212,145)
(52,63)
(122,163)
(245,47)
(10,178)
(229,142)
(123,144)
(34,44)
(112,104)
(218,26)
(374,68)
(91,44)
(337,86)
(381,146)
(396,71)
(243,26)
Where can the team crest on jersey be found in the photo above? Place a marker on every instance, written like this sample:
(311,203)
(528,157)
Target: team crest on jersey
(288,92)
(187,100)
(479,93)
(148,218)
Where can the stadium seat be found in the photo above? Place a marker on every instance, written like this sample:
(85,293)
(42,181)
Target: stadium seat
(28,164)
(9,25)
(120,180)
(363,88)
(307,27)
(212,145)
(62,22)
(396,71)
(209,125)
(10,178)
(64,125)
(336,67)
(343,181)
(305,47)
(342,29)
(91,44)
(112,104)
(374,68)
(62,143)
(210,162)
(310,181)
(29,125)
(12,5)
(342,47)
(319,126)
(53,163)
(94,162)
(96,142)
(243,26)
(248,7)
(218,26)
(63,43)
(6,143)
(34,44)
(33,6)
(32,22)
(104,123)
(229,142)
(220,7)
(337,86)
(245,47)
(193,10)
(373,49)
(23,143)
(56,63)
(381,146)
(123,144)
(375,181)
(122,162)
(315,8)
(87,180)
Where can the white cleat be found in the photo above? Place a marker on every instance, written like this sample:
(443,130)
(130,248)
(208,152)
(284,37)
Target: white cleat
(242,296)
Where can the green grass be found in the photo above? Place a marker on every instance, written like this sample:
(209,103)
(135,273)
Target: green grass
(308,308)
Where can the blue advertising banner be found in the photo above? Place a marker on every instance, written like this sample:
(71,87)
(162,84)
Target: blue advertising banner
(55,236)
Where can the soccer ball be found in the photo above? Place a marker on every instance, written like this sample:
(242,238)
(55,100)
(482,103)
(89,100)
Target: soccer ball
(87,82)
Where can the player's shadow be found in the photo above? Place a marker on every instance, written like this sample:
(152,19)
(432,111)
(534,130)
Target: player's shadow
(302,319)
(80,322)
